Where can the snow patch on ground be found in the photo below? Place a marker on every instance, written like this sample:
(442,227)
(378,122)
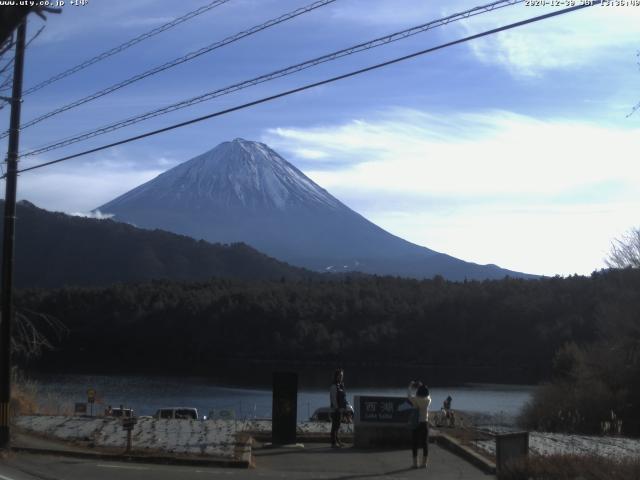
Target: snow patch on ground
(264,427)
(543,443)
(211,437)
(215,438)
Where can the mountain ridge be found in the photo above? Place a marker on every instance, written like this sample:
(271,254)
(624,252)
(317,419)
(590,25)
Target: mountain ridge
(54,249)
(245,191)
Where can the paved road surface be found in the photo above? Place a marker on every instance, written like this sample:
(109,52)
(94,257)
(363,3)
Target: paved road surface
(316,461)
(321,462)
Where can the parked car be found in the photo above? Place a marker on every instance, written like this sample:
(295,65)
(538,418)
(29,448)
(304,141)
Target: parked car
(323,414)
(121,412)
(177,413)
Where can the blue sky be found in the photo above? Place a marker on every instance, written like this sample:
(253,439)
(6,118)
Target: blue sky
(516,149)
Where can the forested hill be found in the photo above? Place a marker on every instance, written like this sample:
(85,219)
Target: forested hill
(179,327)
(54,249)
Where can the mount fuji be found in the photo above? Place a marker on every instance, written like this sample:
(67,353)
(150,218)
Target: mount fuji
(243,191)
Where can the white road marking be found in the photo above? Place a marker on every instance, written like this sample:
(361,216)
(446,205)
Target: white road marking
(2,477)
(215,472)
(125,467)
(128,467)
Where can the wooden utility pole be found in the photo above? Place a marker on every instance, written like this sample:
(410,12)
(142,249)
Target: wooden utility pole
(8,239)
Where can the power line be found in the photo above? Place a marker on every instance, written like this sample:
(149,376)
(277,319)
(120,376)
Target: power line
(6,45)
(315,84)
(125,45)
(185,58)
(7,83)
(274,75)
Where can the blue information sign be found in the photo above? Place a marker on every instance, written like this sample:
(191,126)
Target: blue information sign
(384,409)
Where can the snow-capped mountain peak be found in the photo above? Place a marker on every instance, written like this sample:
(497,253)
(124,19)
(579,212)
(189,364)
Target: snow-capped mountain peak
(239,173)
(243,191)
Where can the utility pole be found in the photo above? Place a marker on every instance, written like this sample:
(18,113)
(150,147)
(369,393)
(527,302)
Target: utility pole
(8,239)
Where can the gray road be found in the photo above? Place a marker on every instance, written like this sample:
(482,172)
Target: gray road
(316,461)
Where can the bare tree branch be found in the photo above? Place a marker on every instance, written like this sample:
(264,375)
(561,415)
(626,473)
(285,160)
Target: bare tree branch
(636,107)
(625,251)
(33,332)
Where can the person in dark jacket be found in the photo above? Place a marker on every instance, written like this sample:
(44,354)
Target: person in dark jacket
(448,412)
(338,399)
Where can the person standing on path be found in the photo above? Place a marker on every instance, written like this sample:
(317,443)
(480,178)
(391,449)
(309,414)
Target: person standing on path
(448,413)
(338,399)
(418,395)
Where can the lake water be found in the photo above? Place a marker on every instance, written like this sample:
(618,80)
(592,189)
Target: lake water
(58,393)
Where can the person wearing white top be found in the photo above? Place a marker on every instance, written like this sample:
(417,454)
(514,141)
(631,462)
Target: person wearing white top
(418,395)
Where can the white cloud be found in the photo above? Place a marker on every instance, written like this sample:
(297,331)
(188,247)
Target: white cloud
(399,13)
(562,240)
(90,18)
(371,12)
(565,42)
(167,162)
(475,154)
(530,195)
(97,214)
(310,154)
(79,190)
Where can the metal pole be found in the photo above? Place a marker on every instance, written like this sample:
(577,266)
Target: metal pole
(8,239)
(129,430)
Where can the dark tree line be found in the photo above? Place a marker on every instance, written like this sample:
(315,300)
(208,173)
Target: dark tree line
(595,386)
(181,327)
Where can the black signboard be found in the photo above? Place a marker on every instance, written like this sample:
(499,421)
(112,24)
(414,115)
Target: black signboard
(285,407)
(384,409)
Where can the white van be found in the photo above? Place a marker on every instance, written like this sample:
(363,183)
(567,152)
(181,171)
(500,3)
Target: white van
(120,412)
(177,413)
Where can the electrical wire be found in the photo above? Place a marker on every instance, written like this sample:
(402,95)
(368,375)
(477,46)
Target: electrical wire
(125,45)
(317,84)
(177,61)
(7,44)
(7,84)
(274,75)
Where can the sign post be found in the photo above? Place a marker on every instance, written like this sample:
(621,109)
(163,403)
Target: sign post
(383,410)
(381,421)
(127,424)
(91,398)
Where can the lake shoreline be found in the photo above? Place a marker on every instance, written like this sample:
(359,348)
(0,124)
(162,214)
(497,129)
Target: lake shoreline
(58,394)
(258,374)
